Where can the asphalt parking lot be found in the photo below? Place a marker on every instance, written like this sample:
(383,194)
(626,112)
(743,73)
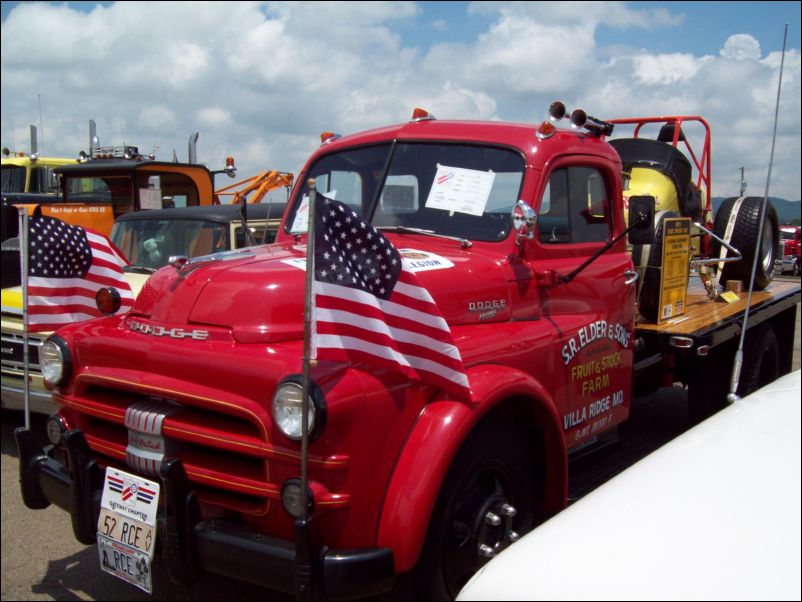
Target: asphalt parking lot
(41,560)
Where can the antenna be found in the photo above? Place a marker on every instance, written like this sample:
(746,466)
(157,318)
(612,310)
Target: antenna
(736,368)
(743,182)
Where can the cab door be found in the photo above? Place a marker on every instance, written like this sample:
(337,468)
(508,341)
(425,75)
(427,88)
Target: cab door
(593,310)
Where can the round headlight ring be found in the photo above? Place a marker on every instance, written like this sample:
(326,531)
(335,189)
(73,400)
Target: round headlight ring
(55,361)
(287,408)
(291,498)
(56,427)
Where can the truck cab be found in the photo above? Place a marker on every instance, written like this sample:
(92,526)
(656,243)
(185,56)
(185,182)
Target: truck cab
(491,217)
(30,173)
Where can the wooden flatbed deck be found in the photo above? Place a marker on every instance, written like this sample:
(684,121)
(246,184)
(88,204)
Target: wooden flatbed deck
(717,320)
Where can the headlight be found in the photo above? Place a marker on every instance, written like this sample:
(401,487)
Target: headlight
(291,498)
(55,361)
(288,408)
(56,429)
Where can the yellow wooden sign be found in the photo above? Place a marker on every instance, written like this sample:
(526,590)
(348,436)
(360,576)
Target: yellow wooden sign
(674,274)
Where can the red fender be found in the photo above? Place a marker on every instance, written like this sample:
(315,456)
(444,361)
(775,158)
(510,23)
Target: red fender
(435,440)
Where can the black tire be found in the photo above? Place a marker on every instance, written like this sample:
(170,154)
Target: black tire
(744,238)
(761,361)
(494,466)
(649,260)
(709,383)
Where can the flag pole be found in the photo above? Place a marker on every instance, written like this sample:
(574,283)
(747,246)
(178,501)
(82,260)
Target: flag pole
(303,548)
(23,257)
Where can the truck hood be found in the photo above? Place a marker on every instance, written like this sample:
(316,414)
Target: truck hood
(259,293)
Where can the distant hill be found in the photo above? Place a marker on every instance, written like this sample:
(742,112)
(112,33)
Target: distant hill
(787,211)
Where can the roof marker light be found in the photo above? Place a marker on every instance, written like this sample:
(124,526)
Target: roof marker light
(545,130)
(230,169)
(328,137)
(419,114)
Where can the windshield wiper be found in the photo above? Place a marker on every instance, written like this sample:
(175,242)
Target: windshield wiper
(138,269)
(464,242)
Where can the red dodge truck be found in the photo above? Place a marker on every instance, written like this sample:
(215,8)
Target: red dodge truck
(790,250)
(179,422)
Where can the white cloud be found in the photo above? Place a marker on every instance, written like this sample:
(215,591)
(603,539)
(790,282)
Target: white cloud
(160,117)
(214,117)
(666,69)
(261,80)
(741,47)
(615,14)
(185,62)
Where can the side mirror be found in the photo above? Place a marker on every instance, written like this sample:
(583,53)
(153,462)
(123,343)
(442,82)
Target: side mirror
(641,220)
(524,220)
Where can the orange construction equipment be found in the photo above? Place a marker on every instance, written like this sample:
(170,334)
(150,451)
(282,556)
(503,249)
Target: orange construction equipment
(260,185)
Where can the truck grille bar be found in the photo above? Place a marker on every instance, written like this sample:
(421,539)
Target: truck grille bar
(225,450)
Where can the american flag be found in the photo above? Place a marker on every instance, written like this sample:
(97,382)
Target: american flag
(67,265)
(368,307)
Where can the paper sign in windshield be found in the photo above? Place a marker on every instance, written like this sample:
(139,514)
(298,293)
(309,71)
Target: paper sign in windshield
(150,198)
(460,190)
(301,222)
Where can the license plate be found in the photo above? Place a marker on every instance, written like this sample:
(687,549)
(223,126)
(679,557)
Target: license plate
(127,531)
(127,527)
(125,562)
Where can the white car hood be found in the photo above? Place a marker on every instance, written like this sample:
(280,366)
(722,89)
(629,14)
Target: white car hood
(712,515)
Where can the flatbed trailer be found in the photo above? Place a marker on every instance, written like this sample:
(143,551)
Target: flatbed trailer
(698,347)
(709,323)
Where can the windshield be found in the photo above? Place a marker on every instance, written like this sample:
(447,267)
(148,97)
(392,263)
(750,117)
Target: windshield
(144,190)
(150,243)
(13,178)
(787,234)
(116,190)
(465,191)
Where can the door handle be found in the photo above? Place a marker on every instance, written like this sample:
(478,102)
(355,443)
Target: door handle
(632,276)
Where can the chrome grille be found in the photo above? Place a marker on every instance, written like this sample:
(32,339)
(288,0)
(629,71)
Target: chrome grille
(13,347)
(147,446)
(225,455)
(224,447)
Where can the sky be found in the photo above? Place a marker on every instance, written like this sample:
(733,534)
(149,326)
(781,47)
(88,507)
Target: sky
(261,80)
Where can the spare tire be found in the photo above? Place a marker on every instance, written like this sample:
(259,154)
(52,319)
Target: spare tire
(648,259)
(745,230)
